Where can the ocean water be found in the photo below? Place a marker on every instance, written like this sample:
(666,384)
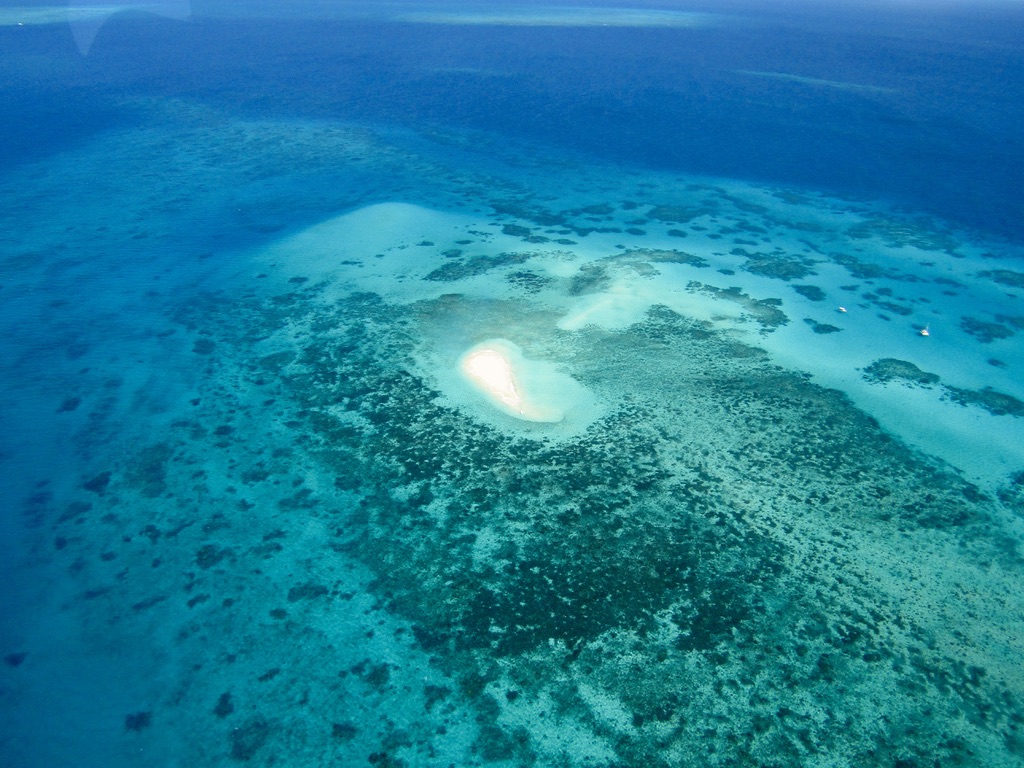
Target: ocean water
(595,385)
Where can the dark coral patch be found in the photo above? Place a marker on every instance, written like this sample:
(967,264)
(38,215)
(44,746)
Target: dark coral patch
(247,739)
(997,403)
(892,369)
(812,292)
(138,721)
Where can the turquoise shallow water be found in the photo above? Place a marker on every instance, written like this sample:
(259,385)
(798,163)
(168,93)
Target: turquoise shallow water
(728,506)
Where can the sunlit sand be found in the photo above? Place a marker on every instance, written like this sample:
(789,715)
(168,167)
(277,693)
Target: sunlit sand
(512,384)
(490,371)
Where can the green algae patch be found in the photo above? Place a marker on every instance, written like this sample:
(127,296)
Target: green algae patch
(892,369)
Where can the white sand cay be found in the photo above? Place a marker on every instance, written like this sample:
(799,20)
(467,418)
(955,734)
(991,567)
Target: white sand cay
(531,390)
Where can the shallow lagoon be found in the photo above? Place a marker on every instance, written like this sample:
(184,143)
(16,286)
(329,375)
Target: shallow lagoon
(262,518)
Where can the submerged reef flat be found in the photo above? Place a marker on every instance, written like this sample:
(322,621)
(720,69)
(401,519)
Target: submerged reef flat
(727,563)
(722,541)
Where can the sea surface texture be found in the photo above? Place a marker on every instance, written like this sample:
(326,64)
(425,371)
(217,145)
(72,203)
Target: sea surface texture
(586,385)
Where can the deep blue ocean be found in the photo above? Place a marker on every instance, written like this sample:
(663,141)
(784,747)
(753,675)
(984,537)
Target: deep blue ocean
(594,385)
